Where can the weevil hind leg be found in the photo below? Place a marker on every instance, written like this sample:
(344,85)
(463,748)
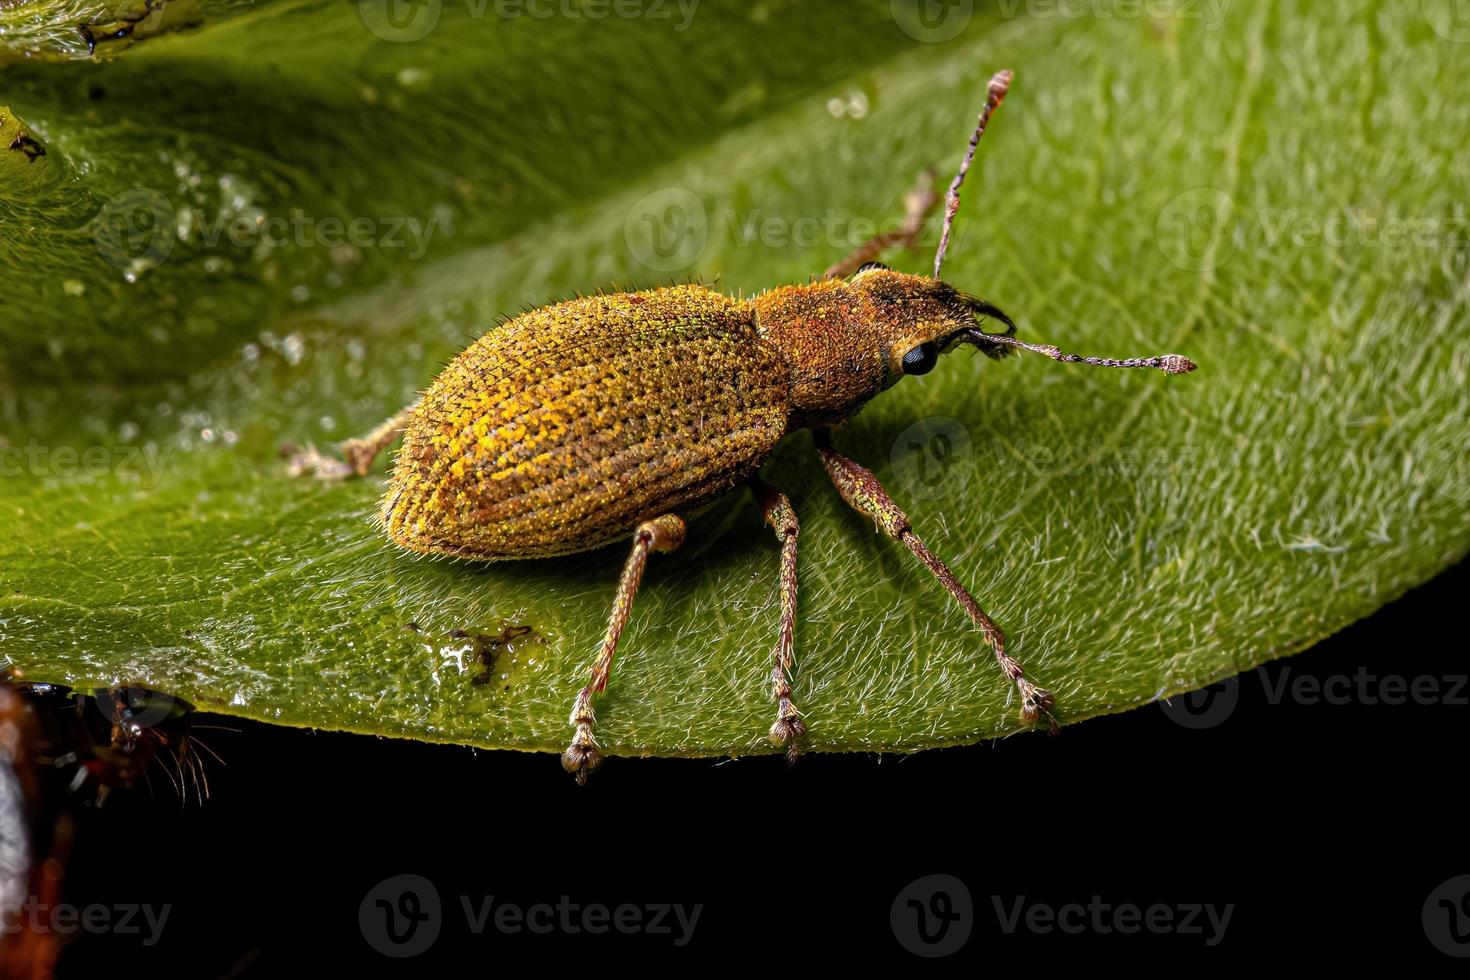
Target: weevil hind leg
(788,728)
(358,455)
(918,204)
(662,534)
(862,491)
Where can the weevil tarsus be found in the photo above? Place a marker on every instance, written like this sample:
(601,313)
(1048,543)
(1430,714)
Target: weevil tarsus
(662,534)
(862,491)
(788,728)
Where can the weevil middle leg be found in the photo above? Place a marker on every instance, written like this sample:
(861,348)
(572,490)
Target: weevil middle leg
(662,534)
(862,491)
(779,514)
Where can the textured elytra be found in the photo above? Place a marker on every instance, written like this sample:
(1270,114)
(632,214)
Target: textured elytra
(568,426)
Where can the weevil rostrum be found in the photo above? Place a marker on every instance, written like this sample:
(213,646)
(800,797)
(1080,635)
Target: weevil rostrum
(607,417)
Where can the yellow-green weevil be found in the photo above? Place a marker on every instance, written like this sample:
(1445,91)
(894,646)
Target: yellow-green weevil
(577,425)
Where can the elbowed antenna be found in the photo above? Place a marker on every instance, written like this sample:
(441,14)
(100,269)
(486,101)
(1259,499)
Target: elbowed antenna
(995,93)
(1168,363)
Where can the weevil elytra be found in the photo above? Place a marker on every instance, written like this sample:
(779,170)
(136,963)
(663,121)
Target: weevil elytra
(598,419)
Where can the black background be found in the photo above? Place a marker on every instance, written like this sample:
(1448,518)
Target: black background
(1326,825)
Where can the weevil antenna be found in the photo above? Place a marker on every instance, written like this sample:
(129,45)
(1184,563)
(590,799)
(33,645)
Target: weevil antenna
(1168,363)
(1000,84)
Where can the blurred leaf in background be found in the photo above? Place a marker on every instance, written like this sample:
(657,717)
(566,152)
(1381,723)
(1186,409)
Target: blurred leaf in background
(274,222)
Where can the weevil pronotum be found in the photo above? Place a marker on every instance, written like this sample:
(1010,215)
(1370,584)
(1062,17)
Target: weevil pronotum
(581,424)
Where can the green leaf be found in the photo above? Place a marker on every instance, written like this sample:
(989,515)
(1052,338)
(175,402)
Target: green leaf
(1276,194)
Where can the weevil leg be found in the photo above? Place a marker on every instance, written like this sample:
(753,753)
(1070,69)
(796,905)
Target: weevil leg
(862,491)
(358,454)
(782,519)
(662,534)
(918,204)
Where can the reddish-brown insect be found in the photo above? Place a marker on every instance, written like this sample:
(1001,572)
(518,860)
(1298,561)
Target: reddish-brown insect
(580,424)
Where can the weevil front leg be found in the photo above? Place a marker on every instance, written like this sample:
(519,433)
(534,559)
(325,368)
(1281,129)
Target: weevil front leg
(918,204)
(862,491)
(662,534)
(778,513)
(358,454)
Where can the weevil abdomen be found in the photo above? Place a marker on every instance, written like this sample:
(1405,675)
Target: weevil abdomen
(565,428)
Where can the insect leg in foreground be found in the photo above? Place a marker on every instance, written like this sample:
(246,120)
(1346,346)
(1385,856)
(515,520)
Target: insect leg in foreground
(662,534)
(862,491)
(359,454)
(778,513)
(918,204)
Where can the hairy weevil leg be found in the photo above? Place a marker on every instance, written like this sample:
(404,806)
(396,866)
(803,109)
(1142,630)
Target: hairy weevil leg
(662,534)
(862,491)
(358,455)
(918,204)
(779,514)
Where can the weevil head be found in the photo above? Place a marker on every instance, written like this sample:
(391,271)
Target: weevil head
(915,319)
(847,340)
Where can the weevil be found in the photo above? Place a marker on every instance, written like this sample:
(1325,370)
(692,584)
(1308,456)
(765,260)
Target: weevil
(614,416)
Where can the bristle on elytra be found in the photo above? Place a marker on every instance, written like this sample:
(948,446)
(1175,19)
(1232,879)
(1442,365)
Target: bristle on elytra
(995,93)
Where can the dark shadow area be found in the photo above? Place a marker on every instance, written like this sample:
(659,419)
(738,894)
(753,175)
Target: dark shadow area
(1318,797)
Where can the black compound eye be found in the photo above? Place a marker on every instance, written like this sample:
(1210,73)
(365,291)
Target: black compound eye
(921,359)
(868,266)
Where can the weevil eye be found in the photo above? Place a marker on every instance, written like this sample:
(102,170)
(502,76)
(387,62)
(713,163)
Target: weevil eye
(869,266)
(921,359)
